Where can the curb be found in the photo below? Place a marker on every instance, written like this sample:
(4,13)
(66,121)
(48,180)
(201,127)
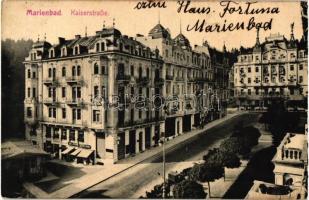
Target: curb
(156,155)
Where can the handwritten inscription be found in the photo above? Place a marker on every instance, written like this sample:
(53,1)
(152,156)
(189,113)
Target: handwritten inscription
(226,9)
(231,7)
(150,4)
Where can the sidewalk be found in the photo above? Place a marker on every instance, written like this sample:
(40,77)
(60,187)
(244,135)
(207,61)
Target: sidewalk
(111,170)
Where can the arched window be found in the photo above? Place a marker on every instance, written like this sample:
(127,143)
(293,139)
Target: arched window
(96,91)
(54,72)
(102,46)
(49,72)
(78,70)
(96,69)
(29,73)
(148,72)
(63,71)
(73,71)
(98,47)
(140,72)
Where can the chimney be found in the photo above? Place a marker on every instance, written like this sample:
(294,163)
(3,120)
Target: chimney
(61,40)
(77,37)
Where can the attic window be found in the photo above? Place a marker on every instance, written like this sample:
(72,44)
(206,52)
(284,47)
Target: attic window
(63,51)
(76,50)
(102,46)
(52,53)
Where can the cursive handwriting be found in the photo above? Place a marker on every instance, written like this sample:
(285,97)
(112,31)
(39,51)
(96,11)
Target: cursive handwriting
(231,7)
(150,4)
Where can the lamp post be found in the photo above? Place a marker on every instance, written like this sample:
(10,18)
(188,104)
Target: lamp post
(163,162)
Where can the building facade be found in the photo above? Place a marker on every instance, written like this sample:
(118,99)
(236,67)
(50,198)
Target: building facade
(102,98)
(291,161)
(193,80)
(272,71)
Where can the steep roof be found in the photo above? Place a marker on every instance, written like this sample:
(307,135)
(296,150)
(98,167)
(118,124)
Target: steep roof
(159,32)
(182,40)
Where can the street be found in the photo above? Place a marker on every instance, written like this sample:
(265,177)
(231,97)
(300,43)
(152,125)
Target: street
(133,182)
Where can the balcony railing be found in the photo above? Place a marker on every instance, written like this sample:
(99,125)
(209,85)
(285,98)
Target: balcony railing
(74,80)
(51,101)
(141,121)
(51,81)
(143,81)
(75,102)
(159,82)
(123,77)
(169,77)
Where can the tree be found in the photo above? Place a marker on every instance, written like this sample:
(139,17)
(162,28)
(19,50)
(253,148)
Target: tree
(236,145)
(206,173)
(219,158)
(13,86)
(188,189)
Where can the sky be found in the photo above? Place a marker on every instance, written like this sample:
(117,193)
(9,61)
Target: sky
(16,24)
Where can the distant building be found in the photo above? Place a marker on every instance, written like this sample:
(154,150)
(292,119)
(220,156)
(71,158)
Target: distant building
(272,71)
(21,161)
(291,161)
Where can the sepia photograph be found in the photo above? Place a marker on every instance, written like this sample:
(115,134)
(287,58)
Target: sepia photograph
(154,99)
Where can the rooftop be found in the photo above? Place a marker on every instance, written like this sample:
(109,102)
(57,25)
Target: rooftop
(20,148)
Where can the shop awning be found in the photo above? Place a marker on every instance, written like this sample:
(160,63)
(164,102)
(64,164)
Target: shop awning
(85,153)
(76,152)
(68,150)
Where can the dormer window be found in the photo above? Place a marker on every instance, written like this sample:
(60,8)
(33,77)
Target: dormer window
(52,53)
(76,50)
(98,47)
(102,46)
(63,51)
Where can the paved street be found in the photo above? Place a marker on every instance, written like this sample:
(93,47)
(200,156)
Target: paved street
(132,182)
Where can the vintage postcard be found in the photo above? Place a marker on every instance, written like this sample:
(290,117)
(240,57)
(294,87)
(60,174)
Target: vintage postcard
(154,99)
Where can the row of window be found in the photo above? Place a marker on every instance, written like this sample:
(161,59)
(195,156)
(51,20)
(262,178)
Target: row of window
(195,60)
(272,91)
(273,68)
(64,132)
(76,113)
(273,79)
(76,92)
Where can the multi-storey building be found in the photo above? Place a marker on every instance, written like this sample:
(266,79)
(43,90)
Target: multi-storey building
(190,79)
(272,71)
(107,96)
(76,104)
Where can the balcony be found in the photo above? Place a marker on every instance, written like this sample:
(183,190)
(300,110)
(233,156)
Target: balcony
(51,81)
(169,77)
(123,78)
(78,102)
(31,121)
(140,122)
(51,102)
(143,81)
(191,79)
(74,80)
(159,82)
